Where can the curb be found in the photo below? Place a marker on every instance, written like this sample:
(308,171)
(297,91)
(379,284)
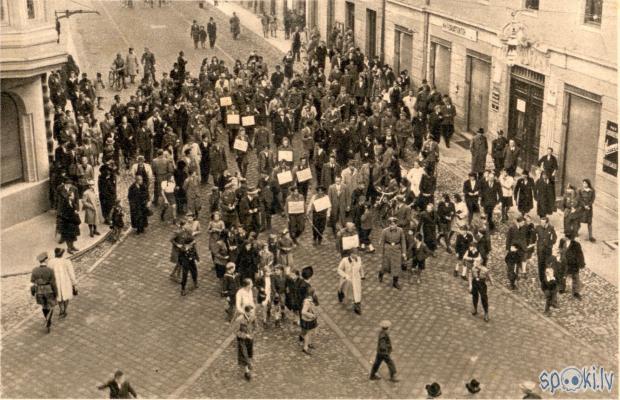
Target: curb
(88,271)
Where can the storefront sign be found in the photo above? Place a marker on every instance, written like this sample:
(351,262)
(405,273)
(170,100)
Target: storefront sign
(460,30)
(495,100)
(610,160)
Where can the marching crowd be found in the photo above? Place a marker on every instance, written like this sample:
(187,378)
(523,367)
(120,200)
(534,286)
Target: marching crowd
(369,155)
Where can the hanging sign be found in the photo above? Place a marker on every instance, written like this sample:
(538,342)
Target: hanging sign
(610,160)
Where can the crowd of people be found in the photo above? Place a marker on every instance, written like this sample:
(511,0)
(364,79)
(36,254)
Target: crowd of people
(369,157)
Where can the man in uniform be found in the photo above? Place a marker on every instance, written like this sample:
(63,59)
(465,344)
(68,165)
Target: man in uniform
(478,284)
(162,169)
(44,288)
(384,349)
(393,247)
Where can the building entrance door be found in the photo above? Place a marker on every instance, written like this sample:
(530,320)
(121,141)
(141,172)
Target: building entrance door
(440,67)
(478,78)
(403,47)
(581,120)
(527,90)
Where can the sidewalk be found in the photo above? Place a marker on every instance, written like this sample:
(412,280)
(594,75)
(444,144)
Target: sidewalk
(21,243)
(251,22)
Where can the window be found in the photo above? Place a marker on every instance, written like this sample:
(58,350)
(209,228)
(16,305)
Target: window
(3,11)
(11,166)
(593,12)
(531,4)
(30,7)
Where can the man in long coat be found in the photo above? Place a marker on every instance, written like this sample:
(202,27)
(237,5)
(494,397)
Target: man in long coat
(524,193)
(545,195)
(393,248)
(212,32)
(351,272)
(479,149)
(338,197)
(138,196)
(217,162)
(545,239)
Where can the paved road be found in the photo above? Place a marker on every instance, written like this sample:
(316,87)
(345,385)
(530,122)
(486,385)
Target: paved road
(129,315)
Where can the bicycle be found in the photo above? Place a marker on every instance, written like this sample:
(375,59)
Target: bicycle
(386,206)
(114,80)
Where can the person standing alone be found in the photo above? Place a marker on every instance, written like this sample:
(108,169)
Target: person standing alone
(384,349)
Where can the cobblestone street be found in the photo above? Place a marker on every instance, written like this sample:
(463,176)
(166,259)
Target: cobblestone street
(129,314)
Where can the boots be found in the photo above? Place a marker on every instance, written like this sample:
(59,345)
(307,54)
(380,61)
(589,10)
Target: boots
(381,276)
(357,308)
(395,283)
(340,296)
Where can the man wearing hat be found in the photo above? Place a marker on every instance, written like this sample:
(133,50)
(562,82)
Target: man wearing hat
(384,349)
(479,149)
(162,168)
(44,288)
(296,220)
(433,390)
(90,203)
(249,206)
(393,250)
(473,386)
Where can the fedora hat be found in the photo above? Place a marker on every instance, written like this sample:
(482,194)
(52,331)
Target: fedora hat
(42,257)
(480,130)
(473,386)
(433,390)
(307,272)
(58,252)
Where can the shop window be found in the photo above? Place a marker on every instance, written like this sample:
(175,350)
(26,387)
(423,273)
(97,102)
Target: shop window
(593,12)
(531,4)
(11,165)
(30,8)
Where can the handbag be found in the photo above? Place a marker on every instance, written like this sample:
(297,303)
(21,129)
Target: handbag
(75,291)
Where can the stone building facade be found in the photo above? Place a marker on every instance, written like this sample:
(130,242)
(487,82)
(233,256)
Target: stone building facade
(543,71)
(28,52)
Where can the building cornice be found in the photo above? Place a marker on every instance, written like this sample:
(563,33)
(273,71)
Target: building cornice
(24,68)
(564,52)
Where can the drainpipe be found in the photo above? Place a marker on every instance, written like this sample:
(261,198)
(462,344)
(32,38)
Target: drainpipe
(383,31)
(426,41)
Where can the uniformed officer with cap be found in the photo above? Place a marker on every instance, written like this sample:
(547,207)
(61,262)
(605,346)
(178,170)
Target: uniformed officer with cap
(393,249)
(384,349)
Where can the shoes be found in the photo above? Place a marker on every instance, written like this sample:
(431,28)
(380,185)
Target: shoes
(394,379)
(340,297)
(301,338)
(311,346)
(396,285)
(380,276)
(374,377)
(463,277)
(449,250)
(577,296)
(71,251)
(592,240)
(92,234)
(247,376)
(486,317)
(96,233)
(307,352)
(475,312)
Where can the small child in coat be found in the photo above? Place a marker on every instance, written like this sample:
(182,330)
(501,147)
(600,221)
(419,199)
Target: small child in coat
(117,221)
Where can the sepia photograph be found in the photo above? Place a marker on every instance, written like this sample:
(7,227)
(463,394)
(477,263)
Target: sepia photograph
(309,199)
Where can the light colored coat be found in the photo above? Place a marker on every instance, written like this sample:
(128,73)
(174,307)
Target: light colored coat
(90,203)
(351,273)
(65,277)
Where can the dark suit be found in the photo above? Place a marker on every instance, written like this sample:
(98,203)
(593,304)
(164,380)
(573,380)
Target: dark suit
(384,349)
(471,194)
(119,392)
(329,174)
(545,239)
(490,195)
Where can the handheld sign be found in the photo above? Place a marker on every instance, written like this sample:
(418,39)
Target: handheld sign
(241,145)
(285,177)
(225,101)
(322,203)
(286,155)
(295,207)
(248,120)
(304,175)
(350,242)
(232,119)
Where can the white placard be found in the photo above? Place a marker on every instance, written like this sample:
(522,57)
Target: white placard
(225,101)
(296,207)
(304,175)
(285,177)
(248,120)
(350,242)
(232,119)
(322,203)
(520,105)
(240,145)
(286,155)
